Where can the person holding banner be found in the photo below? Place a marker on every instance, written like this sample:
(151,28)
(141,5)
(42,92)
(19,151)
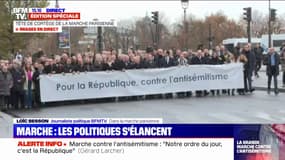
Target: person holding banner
(207,56)
(149,63)
(28,85)
(58,65)
(48,68)
(182,61)
(88,66)
(80,66)
(164,61)
(215,60)
(18,95)
(6,83)
(242,59)
(36,79)
(68,68)
(98,61)
(136,64)
(108,64)
(199,59)
(119,63)
(229,58)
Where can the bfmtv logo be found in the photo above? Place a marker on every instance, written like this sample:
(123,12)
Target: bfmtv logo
(20,13)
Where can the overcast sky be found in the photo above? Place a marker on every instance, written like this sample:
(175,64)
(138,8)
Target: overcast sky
(121,10)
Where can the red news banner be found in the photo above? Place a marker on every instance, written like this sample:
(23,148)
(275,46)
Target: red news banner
(27,19)
(54,16)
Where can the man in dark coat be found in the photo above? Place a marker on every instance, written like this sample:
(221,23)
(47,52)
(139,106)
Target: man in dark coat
(258,51)
(207,56)
(119,63)
(58,66)
(249,67)
(165,61)
(136,64)
(36,80)
(272,69)
(168,61)
(6,83)
(19,78)
(215,60)
(160,58)
(88,66)
(48,67)
(199,59)
(68,68)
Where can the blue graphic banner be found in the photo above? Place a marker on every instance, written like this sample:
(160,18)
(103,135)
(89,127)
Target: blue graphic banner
(122,131)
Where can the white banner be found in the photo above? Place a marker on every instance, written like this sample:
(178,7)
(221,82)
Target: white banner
(89,85)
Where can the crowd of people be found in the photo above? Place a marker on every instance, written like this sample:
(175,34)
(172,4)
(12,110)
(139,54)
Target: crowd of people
(20,84)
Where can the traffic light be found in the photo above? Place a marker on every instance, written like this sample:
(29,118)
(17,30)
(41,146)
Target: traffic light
(154,17)
(247,14)
(272,14)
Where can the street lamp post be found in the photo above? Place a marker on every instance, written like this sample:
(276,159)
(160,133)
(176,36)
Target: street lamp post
(123,33)
(99,38)
(210,37)
(269,25)
(117,40)
(185,4)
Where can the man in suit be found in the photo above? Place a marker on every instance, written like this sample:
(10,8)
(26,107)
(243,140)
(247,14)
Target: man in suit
(249,67)
(163,59)
(272,69)
(119,63)
(148,61)
(166,60)
(199,59)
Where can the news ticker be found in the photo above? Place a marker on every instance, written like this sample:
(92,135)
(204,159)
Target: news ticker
(139,138)
(51,20)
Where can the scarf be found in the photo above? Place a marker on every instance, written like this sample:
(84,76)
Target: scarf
(29,73)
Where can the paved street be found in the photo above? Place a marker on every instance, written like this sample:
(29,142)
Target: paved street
(6,122)
(256,108)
